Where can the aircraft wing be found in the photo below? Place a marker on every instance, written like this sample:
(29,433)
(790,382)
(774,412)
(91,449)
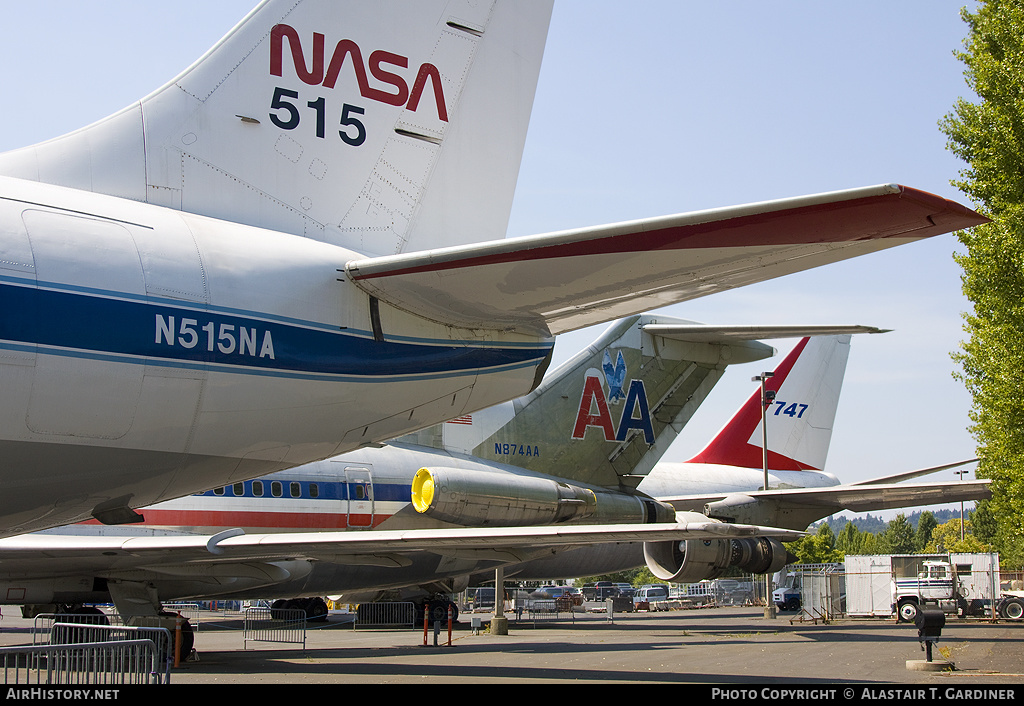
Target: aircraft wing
(855,498)
(52,555)
(563,281)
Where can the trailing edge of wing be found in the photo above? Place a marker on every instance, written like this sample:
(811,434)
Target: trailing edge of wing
(550,284)
(22,554)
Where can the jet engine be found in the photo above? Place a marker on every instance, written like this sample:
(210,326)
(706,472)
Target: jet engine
(693,560)
(485,498)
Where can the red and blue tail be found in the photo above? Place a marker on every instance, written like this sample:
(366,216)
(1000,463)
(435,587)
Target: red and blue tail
(800,418)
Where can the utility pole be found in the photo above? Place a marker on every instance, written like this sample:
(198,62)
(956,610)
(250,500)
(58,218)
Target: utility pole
(961,474)
(767,397)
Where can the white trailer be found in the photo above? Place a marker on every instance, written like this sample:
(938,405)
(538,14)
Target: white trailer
(881,585)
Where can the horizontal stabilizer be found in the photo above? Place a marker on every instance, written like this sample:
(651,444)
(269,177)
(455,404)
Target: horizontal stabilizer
(899,477)
(563,281)
(855,498)
(711,333)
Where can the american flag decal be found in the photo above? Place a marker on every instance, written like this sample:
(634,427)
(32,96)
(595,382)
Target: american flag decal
(466,419)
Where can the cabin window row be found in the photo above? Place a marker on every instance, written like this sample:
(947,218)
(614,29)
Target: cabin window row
(259,489)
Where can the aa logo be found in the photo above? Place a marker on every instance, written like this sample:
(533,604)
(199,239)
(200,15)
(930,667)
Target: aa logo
(594,412)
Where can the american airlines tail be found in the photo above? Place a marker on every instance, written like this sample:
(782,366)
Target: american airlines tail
(380,127)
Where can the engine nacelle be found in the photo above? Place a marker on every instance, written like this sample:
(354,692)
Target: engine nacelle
(694,560)
(482,498)
(734,508)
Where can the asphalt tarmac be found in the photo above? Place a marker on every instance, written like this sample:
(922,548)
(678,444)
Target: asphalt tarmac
(717,646)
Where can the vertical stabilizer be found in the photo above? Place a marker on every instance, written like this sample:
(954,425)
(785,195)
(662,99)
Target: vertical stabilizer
(382,126)
(607,415)
(807,385)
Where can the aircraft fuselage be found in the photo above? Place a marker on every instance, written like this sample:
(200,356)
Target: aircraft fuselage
(144,349)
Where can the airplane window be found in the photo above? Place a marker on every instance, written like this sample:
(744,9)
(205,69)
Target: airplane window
(358,492)
(238,489)
(257,488)
(314,490)
(294,489)
(218,491)
(276,489)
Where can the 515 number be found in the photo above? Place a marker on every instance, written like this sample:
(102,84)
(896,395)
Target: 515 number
(288,116)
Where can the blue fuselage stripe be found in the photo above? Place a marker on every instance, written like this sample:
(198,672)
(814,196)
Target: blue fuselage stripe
(206,338)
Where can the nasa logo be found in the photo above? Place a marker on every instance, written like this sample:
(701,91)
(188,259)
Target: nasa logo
(398,93)
(636,412)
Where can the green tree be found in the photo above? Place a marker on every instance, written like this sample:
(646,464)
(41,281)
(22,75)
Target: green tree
(989,136)
(984,522)
(925,524)
(898,537)
(818,548)
(946,538)
(849,539)
(869,544)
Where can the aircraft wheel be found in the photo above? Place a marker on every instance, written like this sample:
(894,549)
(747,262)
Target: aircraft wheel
(316,609)
(438,612)
(1012,609)
(906,611)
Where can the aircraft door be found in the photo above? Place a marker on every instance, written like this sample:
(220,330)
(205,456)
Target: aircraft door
(359,492)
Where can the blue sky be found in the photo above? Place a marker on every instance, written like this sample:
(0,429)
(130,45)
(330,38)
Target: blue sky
(672,107)
(652,108)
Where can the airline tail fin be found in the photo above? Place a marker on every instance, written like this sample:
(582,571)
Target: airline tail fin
(608,414)
(381,127)
(800,419)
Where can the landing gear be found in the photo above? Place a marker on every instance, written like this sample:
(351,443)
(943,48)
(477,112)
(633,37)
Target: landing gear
(436,611)
(188,637)
(315,608)
(83,615)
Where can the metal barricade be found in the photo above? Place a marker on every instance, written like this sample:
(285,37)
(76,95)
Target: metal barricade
(189,611)
(385,613)
(106,662)
(43,623)
(71,635)
(274,625)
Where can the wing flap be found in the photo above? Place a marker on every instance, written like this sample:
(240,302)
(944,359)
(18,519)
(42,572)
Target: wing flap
(554,283)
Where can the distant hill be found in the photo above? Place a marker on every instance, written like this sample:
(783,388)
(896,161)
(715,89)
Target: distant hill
(875,525)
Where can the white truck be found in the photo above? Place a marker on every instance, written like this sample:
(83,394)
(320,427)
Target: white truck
(941,585)
(937,585)
(881,585)
(1011,600)
(799,581)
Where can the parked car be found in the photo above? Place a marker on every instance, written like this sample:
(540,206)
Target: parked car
(625,590)
(649,596)
(599,591)
(565,596)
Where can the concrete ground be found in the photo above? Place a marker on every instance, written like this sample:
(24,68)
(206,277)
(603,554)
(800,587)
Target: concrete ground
(709,646)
